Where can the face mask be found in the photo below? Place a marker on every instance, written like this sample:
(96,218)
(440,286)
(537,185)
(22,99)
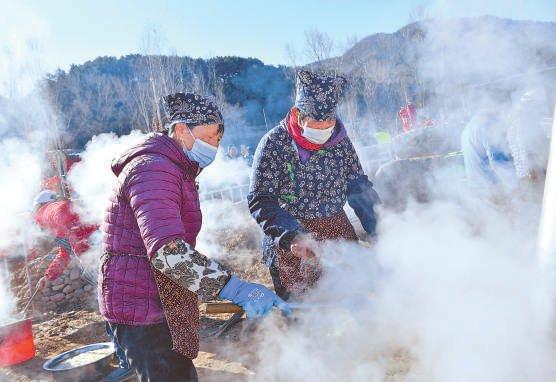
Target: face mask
(316,135)
(201,152)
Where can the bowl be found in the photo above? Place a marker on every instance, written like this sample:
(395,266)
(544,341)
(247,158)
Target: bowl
(87,363)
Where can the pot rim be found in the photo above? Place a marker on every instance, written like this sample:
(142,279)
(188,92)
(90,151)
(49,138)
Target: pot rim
(51,364)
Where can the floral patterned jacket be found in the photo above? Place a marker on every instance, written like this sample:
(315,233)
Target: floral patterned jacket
(285,189)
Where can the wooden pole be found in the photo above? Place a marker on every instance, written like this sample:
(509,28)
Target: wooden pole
(27,272)
(220,308)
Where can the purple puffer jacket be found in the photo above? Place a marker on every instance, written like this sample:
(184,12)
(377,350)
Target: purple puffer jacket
(154,202)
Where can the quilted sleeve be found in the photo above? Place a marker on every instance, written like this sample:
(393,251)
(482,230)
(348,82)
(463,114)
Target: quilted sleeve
(154,193)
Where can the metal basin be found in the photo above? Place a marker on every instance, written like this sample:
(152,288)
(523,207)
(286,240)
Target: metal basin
(87,363)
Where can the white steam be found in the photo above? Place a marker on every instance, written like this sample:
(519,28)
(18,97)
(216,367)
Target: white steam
(447,293)
(28,126)
(92,178)
(24,42)
(435,301)
(224,173)
(92,181)
(20,168)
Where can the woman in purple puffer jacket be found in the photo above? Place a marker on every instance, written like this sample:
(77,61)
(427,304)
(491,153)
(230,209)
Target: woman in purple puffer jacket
(151,275)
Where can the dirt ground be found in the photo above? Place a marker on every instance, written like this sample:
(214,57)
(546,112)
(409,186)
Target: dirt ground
(78,328)
(55,333)
(73,329)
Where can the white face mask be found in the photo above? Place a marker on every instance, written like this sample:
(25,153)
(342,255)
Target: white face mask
(318,136)
(201,152)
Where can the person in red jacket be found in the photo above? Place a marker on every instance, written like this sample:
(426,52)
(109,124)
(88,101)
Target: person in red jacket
(408,116)
(58,219)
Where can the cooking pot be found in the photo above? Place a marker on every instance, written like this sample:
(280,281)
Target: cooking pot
(16,342)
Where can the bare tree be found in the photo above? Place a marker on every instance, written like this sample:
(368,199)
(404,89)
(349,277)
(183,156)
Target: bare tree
(319,46)
(292,55)
(215,84)
(156,75)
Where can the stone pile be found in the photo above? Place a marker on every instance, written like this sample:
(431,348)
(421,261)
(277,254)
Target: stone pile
(68,291)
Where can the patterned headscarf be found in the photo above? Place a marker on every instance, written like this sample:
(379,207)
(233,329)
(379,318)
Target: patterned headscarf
(192,108)
(317,94)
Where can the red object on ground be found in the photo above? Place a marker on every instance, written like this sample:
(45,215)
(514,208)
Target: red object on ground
(16,343)
(408,115)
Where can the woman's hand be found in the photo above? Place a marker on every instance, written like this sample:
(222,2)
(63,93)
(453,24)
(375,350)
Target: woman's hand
(302,247)
(255,299)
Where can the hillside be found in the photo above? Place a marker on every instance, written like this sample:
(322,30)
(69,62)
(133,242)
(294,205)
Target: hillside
(421,62)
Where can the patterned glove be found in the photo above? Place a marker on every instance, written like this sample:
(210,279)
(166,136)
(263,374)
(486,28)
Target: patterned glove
(255,299)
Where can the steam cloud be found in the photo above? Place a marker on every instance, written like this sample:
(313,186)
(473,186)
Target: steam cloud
(445,294)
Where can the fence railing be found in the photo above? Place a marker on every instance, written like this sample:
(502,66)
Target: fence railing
(236,194)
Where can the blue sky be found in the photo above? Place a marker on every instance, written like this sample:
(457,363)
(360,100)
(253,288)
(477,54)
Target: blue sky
(76,31)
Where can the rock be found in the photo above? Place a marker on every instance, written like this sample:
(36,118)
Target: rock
(77,284)
(88,288)
(50,306)
(57,297)
(78,292)
(75,274)
(58,281)
(56,288)
(67,289)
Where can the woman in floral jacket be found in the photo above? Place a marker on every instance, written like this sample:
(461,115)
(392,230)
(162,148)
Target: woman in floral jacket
(304,171)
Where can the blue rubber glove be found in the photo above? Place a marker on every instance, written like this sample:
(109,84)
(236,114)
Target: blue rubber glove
(256,300)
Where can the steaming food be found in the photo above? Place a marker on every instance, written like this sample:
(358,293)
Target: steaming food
(86,358)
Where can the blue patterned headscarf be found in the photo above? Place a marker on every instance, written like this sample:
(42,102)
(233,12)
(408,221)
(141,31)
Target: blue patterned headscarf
(317,94)
(192,108)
